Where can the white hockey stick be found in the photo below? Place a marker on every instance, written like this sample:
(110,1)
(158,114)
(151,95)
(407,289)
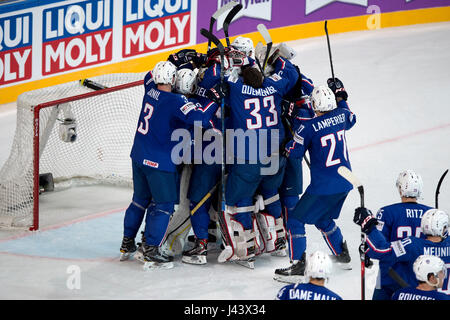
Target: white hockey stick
(268,39)
(216,16)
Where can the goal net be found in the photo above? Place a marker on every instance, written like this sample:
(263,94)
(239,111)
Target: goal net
(72,134)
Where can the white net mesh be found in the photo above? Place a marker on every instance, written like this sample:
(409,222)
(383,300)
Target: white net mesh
(105,127)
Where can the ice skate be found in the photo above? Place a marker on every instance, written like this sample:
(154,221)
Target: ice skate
(343,259)
(127,248)
(154,259)
(292,274)
(280,248)
(139,255)
(196,255)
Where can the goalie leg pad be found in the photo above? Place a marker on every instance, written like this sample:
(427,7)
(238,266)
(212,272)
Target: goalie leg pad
(242,244)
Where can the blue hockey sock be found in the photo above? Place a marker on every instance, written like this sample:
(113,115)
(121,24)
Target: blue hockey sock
(156,223)
(200,220)
(332,235)
(133,217)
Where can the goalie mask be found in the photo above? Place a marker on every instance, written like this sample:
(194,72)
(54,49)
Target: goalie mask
(244,45)
(426,264)
(435,223)
(323,99)
(186,81)
(409,184)
(164,72)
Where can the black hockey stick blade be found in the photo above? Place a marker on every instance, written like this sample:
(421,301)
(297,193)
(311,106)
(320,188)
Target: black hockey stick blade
(92,84)
(436,199)
(216,16)
(228,19)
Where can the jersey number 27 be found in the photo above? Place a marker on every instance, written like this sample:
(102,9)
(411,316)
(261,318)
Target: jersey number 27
(331,140)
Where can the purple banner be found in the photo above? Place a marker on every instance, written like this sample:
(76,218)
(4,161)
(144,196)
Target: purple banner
(280,13)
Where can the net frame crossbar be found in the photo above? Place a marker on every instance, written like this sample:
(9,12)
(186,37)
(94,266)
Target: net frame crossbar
(36,136)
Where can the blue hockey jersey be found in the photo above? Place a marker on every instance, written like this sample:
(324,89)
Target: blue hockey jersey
(324,137)
(398,221)
(306,291)
(161,113)
(408,250)
(256,111)
(410,293)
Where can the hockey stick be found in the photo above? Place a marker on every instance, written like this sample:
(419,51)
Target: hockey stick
(92,84)
(228,19)
(216,15)
(436,197)
(329,50)
(268,39)
(221,215)
(350,177)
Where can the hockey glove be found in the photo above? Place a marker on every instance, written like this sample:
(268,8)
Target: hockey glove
(337,87)
(364,218)
(183,56)
(218,92)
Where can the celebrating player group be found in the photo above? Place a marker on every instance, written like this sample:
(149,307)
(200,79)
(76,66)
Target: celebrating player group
(260,120)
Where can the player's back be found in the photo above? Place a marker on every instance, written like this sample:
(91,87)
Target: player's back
(324,137)
(411,293)
(400,220)
(306,291)
(157,121)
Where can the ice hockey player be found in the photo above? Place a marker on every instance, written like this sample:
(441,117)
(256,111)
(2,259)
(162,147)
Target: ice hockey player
(155,176)
(398,221)
(254,108)
(324,138)
(430,272)
(244,45)
(318,269)
(434,224)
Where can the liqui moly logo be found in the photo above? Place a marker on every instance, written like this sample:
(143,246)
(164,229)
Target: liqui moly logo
(76,35)
(15,48)
(259,9)
(154,25)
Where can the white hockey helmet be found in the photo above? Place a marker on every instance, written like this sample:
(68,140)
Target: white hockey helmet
(434,222)
(244,44)
(318,265)
(165,72)
(426,264)
(186,81)
(323,99)
(409,184)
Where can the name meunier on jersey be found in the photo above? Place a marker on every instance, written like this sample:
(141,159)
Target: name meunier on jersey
(437,251)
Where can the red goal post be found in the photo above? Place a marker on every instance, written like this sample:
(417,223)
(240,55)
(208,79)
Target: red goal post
(104,121)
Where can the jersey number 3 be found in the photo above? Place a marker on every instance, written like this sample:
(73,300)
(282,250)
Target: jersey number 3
(254,105)
(143,125)
(330,139)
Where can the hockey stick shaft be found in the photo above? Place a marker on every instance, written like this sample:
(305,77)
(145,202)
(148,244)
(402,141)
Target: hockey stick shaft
(350,177)
(329,49)
(226,24)
(221,216)
(436,197)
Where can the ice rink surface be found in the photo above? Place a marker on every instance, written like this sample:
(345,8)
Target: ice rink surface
(398,84)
